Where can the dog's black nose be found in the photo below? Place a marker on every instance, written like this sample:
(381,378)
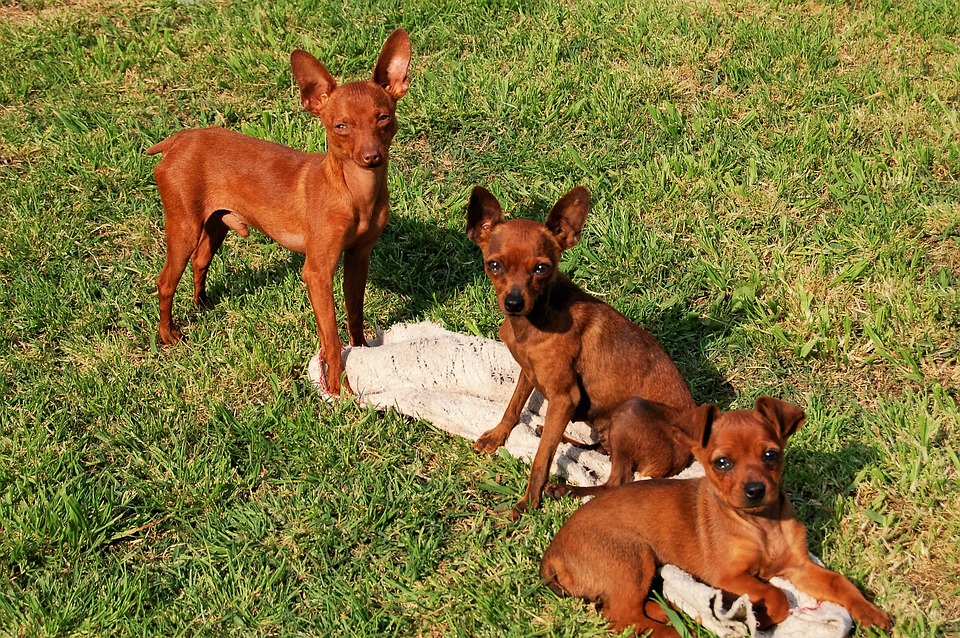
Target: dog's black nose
(513,302)
(755,490)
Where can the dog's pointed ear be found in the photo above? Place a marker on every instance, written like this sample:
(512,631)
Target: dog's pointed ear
(785,416)
(315,82)
(393,63)
(483,213)
(693,428)
(568,215)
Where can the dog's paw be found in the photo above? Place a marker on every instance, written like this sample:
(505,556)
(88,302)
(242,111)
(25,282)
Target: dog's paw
(556,490)
(774,608)
(490,441)
(868,615)
(518,510)
(171,337)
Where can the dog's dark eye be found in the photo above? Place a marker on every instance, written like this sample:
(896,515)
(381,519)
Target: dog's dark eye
(541,269)
(494,266)
(340,127)
(723,464)
(383,118)
(771,457)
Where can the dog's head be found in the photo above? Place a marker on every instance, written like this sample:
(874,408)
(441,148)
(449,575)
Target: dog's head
(360,117)
(520,256)
(742,450)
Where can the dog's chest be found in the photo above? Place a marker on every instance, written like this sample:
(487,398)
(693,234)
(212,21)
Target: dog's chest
(774,553)
(545,359)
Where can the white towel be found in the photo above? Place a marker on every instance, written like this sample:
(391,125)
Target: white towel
(462,385)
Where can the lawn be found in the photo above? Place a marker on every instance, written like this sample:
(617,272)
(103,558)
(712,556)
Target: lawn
(775,197)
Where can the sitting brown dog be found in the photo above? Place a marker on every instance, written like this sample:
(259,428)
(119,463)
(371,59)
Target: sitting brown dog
(734,529)
(582,355)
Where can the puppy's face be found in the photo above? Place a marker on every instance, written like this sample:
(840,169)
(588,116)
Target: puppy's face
(360,119)
(742,451)
(744,460)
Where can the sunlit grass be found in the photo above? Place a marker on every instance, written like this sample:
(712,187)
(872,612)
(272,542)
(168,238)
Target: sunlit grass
(775,197)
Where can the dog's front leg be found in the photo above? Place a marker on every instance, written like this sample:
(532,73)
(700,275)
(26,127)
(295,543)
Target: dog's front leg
(356,267)
(560,409)
(318,271)
(770,603)
(824,584)
(494,438)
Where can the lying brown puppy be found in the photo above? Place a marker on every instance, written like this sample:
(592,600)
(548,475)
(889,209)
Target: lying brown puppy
(734,529)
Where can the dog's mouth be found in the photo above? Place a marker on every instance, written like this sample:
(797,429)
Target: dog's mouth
(756,506)
(754,509)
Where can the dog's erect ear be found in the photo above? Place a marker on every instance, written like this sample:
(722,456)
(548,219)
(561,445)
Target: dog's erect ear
(566,218)
(392,65)
(315,82)
(693,428)
(483,213)
(785,416)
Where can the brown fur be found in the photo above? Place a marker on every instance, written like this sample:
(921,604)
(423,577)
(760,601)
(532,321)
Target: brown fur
(583,356)
(735,529)
(325,205)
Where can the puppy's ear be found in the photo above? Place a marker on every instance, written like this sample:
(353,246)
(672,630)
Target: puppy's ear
(483,213)
(786,417)
(392,65)
(693,428)
(568,215)
(315,82)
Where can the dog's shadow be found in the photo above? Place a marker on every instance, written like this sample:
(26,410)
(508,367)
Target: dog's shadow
(424,264)
(420,262)
(237,277)
(687,338)
(816,481)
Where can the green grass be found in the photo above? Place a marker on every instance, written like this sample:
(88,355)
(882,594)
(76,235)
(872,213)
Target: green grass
(776,198)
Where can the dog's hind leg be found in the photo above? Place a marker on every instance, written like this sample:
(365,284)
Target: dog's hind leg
(211,237)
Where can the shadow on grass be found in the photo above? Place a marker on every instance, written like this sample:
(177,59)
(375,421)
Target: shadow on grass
(816,480)
(422,263)
(687,337)
(246,279)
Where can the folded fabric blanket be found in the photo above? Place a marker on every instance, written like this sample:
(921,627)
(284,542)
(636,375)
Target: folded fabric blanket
(462,385)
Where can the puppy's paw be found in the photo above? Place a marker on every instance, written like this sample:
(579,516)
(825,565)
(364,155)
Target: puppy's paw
(775,609)
(868,615)
(518,510)
(171,337)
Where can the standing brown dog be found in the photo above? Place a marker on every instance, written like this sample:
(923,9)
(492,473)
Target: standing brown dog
(583,356)
(735,529)
(322,204)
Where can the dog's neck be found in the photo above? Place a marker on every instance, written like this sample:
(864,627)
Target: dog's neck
(365,185)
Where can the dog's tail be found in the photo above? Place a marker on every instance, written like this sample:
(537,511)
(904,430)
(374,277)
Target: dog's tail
(597,445)
(581,445)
